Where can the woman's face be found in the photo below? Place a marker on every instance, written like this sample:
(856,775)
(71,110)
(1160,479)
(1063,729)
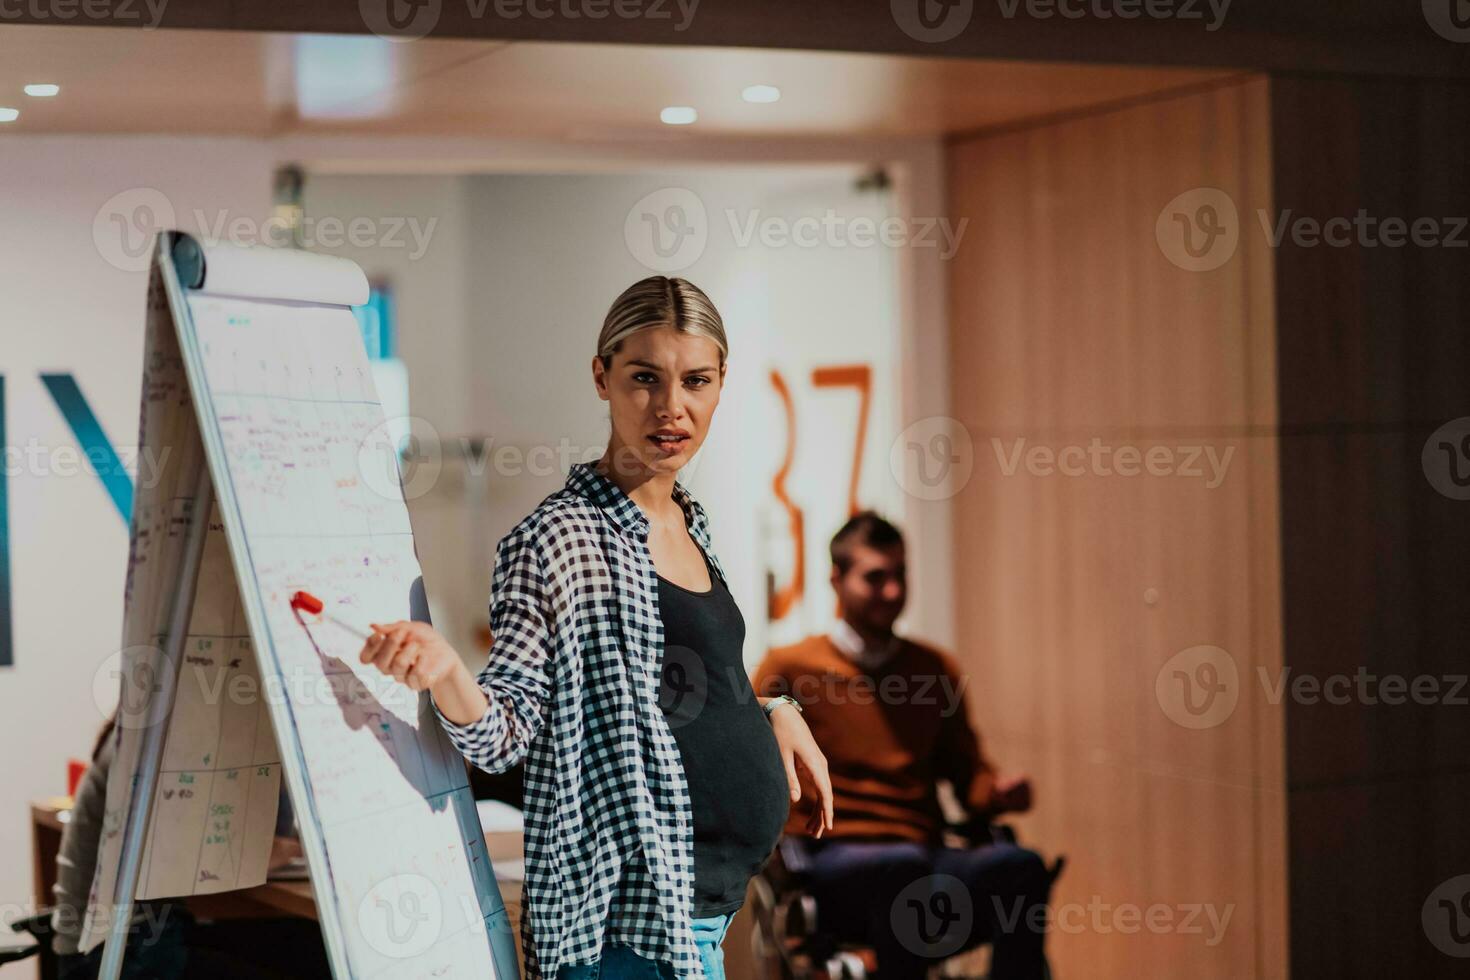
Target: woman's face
(661,390)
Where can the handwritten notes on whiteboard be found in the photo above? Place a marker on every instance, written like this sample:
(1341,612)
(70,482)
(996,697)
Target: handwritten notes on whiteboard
(313,477)
(214,808)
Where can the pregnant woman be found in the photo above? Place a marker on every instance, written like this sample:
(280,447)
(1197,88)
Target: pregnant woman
(656,783)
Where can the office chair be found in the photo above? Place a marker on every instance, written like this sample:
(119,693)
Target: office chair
(789,933)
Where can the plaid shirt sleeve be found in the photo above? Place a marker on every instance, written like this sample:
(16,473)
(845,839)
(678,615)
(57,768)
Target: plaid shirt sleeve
(517,678)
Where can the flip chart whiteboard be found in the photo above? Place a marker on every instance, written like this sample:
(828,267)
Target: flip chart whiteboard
(308,498)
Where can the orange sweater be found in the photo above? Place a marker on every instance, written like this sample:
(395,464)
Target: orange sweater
(888,736)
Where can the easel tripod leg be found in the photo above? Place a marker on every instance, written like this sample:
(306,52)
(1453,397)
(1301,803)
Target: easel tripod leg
(140,808)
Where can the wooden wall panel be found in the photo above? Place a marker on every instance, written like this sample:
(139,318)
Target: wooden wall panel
(1070,324)
(1373,353)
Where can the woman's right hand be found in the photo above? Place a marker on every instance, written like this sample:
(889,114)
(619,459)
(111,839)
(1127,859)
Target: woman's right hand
(411,653)
(418,656)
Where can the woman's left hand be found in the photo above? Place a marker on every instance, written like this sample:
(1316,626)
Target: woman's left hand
(799,751)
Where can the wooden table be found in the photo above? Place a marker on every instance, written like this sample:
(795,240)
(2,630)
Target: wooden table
(274,898)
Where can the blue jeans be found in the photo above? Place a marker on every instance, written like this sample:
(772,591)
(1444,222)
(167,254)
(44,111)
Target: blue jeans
(619,962)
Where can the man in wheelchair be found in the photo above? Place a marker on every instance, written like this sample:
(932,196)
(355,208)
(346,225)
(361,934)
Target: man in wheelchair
(890,715)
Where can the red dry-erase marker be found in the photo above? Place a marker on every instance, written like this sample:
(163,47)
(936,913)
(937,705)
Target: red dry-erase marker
(310,604)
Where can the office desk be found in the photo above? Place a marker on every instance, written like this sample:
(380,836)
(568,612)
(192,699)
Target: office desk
(274,898)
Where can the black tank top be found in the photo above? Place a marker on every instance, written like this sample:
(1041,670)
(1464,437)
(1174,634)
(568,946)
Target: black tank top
(737,782)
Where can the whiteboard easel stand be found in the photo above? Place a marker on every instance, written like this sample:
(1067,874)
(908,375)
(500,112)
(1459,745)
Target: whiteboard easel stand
(158,711)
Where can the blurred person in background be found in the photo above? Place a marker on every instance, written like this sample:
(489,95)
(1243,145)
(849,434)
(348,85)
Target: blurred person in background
(892,720)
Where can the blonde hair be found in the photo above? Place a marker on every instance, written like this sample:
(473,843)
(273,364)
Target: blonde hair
(660,301)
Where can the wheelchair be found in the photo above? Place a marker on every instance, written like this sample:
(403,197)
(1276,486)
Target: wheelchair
(789,940)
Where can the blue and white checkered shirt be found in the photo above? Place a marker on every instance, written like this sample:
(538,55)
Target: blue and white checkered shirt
(573,684)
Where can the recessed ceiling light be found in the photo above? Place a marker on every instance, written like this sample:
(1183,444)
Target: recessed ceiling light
(43,91)
(9,115)
(761,93)
(678,115)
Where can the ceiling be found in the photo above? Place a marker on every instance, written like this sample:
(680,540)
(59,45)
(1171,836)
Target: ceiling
(218,82)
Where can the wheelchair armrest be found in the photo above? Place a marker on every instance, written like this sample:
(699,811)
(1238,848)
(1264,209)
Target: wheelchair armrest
(795,860)
(980,830)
